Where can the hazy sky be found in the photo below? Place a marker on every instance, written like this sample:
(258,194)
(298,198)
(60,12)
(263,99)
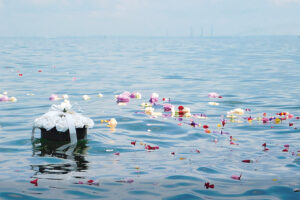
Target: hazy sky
(149,17)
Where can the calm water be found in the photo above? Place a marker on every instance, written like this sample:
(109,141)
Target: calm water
(258,73)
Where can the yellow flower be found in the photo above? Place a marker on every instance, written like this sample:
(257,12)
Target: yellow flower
(112,123)
(138,95)
(12,99)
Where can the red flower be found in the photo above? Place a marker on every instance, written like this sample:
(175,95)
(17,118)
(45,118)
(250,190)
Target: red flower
(208,185)
(133,143)
(148,147)
(181,113)
(205,126)
(247,161)
(20,74)
(223,123)
(285,150)
(173,153)
(90,181)
(291,124)
(35,182)
(180,107)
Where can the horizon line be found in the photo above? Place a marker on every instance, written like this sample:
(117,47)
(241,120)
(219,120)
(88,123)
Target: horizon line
(153,36)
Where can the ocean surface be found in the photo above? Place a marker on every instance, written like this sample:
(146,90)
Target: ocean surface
(261,75)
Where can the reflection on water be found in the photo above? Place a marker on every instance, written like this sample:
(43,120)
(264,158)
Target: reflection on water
(259,73)
(47,148)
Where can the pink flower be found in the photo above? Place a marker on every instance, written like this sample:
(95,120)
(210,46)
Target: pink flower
(123,98)
(290,116)
(154,98)
(53,97)
(235,177)
(265,120)
(4,98)
(214,95)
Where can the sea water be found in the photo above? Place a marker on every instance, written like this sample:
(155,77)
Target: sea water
(260,74)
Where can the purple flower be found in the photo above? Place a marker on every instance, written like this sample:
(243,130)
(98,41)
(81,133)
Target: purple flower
(154,98)
(4,98)
(132,96)
(168,107)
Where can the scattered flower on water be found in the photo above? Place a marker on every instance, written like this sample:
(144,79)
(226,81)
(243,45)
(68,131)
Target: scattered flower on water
(207,185)
(35,182)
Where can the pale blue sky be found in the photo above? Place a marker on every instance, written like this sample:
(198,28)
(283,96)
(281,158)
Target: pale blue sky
(52,18)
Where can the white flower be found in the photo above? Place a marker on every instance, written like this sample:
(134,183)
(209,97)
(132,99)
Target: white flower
(213,103)
(154,95)
(86,97)
(237,111)
(149,110)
